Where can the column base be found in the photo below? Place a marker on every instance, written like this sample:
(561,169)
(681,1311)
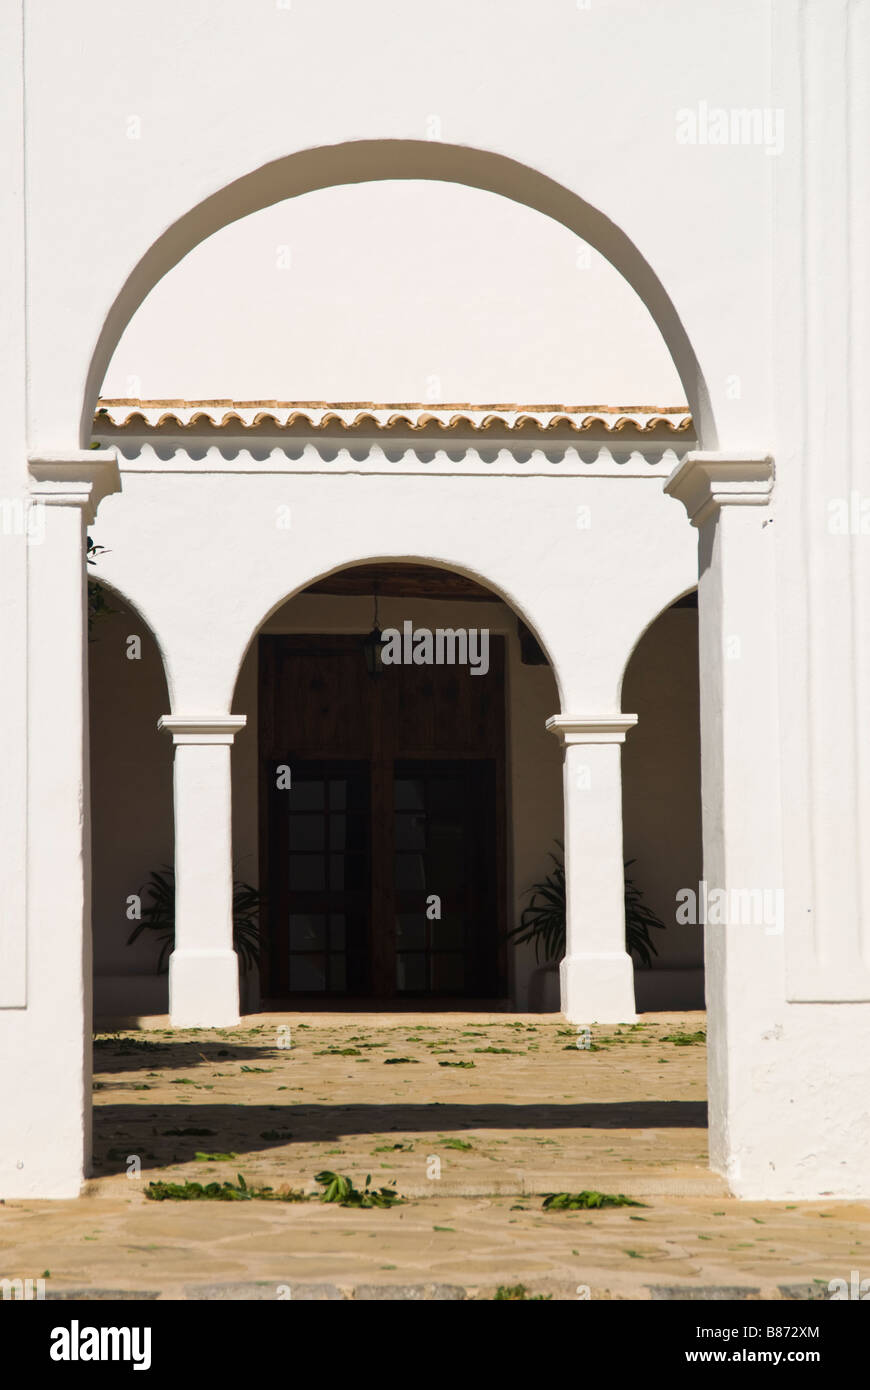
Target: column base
(204,989)
(598,988)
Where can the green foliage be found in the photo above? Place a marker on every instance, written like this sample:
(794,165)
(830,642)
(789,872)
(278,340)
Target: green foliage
(341,1191)
(218,1192)
(127,1044)
(638,920)
(517,1293)
(543,919)
(585,1201)
(685,1039)
(98,604)
(158,915)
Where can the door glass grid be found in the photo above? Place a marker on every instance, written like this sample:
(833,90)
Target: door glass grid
(433,891)
(327,863)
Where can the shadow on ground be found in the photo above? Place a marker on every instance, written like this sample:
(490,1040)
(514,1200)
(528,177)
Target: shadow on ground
(243,1129)
(114,1057)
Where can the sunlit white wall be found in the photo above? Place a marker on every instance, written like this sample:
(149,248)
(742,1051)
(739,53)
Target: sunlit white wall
(395,291)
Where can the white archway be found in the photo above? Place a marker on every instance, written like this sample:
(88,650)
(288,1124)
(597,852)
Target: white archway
(363,161)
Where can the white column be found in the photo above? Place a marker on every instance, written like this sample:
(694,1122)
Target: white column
(45,1039)
(597,976)
(204,967)
(727,497)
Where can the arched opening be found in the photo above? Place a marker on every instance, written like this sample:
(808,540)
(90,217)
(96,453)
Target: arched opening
(131,803)
(393,821)
(396,790)
(661,785)
(327,740)
(366,161)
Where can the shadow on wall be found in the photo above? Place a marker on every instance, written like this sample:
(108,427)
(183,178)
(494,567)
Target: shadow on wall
(661,781)
(131,804)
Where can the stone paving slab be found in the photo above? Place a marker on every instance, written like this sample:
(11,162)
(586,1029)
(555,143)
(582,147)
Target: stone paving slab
(266,1292)
(408,1293)
(94,1295)
(262,1291)
(474,1148)
(701,1292)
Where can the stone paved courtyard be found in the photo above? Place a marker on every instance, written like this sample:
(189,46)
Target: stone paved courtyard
(473,1118)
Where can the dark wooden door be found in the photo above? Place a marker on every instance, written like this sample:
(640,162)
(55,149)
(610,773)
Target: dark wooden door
(382,824)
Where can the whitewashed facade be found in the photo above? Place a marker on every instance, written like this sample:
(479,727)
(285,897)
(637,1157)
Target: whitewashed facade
(717,164)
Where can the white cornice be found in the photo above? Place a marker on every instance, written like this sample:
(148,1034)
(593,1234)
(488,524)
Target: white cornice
(705,481)
(202,728)
(591,728)
(74,478)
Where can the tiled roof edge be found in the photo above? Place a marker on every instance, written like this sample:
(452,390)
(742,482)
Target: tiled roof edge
(355,415)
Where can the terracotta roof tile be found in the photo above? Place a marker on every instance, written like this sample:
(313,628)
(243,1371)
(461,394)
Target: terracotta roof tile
(136,416)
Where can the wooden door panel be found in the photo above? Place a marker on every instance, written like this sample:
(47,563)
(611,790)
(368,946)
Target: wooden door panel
(323,708)
(368,935)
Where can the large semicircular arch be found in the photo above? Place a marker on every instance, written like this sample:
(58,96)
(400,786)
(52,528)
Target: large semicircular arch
(367,161)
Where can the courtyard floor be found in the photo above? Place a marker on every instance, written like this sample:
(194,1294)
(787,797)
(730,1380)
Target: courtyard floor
(504,1109)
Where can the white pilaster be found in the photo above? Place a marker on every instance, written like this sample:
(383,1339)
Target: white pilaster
(727,497)
(203,967)
(597,976)
(47,1034)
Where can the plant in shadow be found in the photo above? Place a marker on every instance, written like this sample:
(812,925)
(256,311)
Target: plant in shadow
(98,604)
(543,919)
(158,916)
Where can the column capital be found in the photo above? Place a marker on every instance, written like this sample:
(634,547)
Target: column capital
(202,728)
(591,728)
(74,478)
(704,481)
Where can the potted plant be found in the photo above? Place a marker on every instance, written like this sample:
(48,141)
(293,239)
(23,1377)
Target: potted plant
(158,915)
(543,922)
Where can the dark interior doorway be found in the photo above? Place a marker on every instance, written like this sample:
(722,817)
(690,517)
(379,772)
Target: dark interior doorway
(382,826)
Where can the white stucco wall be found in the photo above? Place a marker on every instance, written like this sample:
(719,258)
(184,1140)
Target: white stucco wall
(749,261)
(333,281)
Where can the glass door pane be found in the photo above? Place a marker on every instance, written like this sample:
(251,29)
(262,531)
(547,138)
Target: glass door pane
(444,838)
(325,862)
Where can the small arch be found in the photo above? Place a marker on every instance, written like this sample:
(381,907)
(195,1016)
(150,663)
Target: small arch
(650,623)
(153,632)
(450,566)
(131,802)
(366,161)
(511,769)
(661,785)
